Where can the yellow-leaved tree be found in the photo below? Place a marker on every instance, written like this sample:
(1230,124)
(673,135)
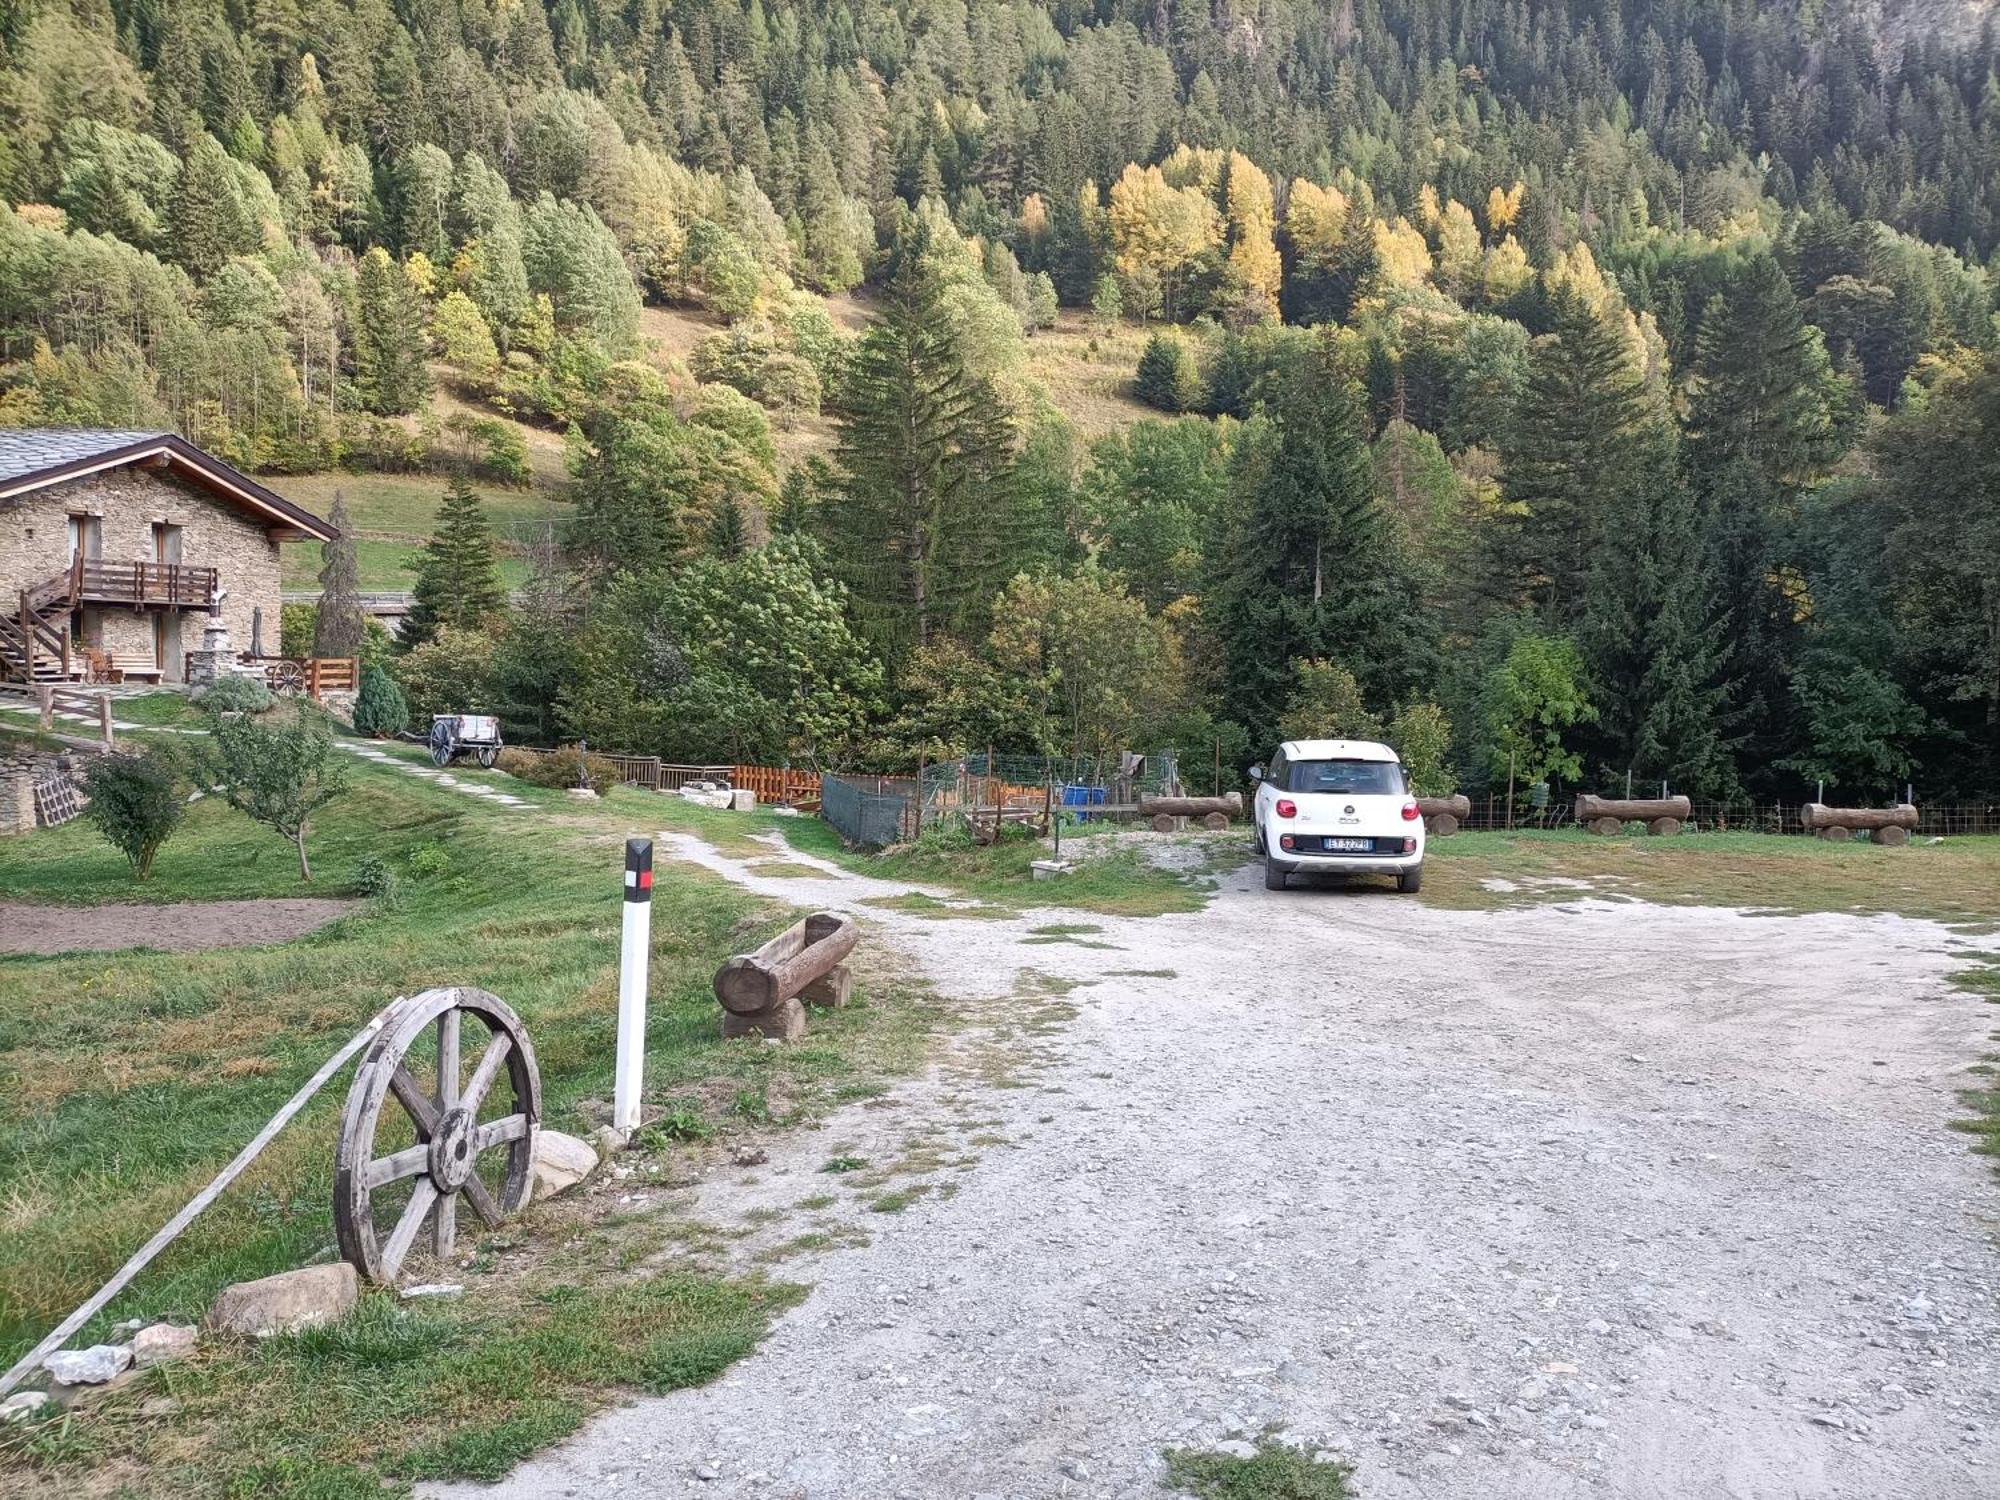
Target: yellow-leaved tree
(1159,230)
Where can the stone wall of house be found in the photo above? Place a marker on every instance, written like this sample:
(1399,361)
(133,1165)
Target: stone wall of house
(19,771)
(34,547)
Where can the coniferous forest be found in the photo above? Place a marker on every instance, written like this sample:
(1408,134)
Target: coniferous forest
(1586,387)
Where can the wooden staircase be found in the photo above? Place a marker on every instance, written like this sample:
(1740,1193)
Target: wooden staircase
(34,638)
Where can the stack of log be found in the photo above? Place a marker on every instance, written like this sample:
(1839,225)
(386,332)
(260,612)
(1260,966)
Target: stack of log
(1443,816)
(1885,825)
(1609,815)
(765,993)
(1215,812)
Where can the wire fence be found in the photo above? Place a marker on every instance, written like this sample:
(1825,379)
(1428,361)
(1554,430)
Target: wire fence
(1490,812)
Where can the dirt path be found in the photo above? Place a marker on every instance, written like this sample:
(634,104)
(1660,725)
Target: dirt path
(1588,1200)
(186,927)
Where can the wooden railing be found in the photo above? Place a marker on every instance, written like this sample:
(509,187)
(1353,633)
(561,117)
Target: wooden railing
(332,674)
(778,784)
(174,585)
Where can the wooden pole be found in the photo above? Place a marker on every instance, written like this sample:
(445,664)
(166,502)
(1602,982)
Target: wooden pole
(32,1360)
(1510,790)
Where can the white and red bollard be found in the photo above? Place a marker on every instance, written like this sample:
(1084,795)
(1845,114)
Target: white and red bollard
(635,948)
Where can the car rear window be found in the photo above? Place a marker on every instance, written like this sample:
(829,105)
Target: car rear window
(1351,778)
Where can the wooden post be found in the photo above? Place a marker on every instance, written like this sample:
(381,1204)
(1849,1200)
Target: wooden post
(1510,790)
(45,705)
(920,794)
(1217,787)
(104,719)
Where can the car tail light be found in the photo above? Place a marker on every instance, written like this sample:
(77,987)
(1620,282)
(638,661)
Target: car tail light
(1285,841)
(1287,808)
(1410,813)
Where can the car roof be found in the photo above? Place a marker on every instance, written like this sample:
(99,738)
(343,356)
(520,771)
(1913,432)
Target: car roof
(1337,750)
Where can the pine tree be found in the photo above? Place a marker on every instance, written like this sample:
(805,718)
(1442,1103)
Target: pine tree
(339,627)
(206,223)
(726,536)
(1317,570)
(458,582)
(921,525)
(1585,434)
(388,338)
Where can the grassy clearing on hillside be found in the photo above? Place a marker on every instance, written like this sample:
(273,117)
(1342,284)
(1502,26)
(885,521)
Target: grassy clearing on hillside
(391,515)
(1954,881)
(127,1079)
(1088,369)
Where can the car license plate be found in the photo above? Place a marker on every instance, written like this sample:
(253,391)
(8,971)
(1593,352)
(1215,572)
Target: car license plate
(1350,846)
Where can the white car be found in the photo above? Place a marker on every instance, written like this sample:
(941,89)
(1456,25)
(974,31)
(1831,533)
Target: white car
(1337,807)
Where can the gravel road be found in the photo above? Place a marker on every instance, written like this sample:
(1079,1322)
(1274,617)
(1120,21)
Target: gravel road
(1598,1199)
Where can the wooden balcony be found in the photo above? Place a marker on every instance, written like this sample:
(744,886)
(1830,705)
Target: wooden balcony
(143,585)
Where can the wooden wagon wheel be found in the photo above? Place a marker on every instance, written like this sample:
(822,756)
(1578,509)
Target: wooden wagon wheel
(453,1133)
(287,677)
(444,745)
(486,755)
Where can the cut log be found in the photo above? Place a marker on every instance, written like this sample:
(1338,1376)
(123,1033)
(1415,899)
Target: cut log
(753,982)
(1893,838)
(1216,822)
(1606,827)
(1165,823)
(783,1022)
(1661,827)
(1190,807)
(1457,806)
(1441,825)
(1833,833)
(1819,815)
(1639,810)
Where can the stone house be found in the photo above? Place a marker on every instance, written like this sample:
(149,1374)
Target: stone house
(127,543)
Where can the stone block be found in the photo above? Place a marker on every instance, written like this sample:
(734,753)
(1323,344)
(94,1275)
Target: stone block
(832,989)
(286,1302)
(783,1022)
(162,1342)
(561,1162)
(93,1366)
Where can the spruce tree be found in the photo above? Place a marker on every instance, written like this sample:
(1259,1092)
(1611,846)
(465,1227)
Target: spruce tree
(458,583)
(339,626)
(206,223)
(388,338)
(921,525)
(1317,570)
(1584,435)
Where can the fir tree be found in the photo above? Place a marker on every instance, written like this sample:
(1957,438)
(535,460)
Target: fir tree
(458,583)
(339,626)
(388,338)
(1585,434)
(1317,572)
(206,223)
(921,525)
(726,536)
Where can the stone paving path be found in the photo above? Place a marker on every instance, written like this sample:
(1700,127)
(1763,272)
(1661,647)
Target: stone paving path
(442,778)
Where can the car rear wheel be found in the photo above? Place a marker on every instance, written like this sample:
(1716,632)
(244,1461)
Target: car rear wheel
(1274,874)
(1409,882)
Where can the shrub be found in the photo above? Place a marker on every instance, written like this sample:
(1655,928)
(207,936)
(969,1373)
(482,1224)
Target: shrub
(234,695)
(558,768)
(380,708)
(136,803)
(429,860)
(376,877)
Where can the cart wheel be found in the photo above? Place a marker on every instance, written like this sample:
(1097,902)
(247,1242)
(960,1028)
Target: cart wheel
(287,677)
(486,755)
(450,1133)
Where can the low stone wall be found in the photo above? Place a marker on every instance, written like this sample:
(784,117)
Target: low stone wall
(19,774)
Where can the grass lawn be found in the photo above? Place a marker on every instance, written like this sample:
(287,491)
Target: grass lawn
(1956,881)
(127,1079)
(392,514)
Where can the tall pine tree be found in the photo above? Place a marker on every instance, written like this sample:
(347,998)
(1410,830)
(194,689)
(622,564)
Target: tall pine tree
(458,583)
(921,526)
(388,337)
(1317,571)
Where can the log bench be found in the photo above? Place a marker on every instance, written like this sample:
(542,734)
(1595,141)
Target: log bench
(1444,816)
(1885,825)
(1214,812)
(1609,815)
(765,993)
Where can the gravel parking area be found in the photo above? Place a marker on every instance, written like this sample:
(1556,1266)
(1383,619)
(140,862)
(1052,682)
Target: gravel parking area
(1600,1199)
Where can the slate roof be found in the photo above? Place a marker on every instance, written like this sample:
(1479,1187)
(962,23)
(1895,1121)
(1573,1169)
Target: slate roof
(29,450)
(33,458)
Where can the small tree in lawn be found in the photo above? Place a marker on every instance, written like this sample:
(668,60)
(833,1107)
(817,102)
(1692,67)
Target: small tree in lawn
(277,774)
(338,623)
(380,708)
(1532,699)
(1420,734)
(136,803)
